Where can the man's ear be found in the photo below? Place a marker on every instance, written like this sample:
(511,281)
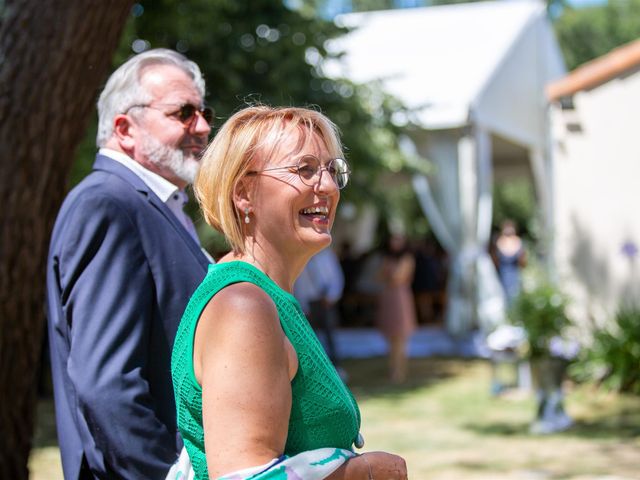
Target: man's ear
(124,132)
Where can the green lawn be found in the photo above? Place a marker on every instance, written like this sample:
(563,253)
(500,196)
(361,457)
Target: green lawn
(447,426)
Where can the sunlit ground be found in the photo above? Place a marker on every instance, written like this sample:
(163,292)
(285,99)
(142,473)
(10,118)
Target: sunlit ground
(447,425)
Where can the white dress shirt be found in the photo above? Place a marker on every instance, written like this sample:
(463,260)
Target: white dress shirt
(167,192)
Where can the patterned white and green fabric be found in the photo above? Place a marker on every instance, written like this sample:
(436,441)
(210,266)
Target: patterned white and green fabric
(312,465)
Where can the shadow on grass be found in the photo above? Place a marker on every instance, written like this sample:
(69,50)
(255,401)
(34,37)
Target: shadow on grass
(613,427)
(368,377)
(505,429)
(621,427)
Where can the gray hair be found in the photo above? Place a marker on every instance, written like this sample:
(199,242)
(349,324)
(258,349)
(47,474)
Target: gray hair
(123,89)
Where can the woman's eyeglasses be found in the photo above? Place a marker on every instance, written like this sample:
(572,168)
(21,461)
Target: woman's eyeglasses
(309,169)
(186,114)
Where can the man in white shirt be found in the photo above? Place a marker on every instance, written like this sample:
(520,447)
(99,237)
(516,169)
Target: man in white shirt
(123,262)
(318,289)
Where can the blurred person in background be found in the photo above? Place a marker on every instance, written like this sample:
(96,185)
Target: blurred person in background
(429,282)
(509,256)
(318,289)
(396,314)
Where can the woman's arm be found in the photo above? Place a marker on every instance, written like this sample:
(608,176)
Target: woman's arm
(245,364)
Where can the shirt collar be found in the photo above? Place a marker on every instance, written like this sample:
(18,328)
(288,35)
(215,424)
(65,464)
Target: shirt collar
(162,187)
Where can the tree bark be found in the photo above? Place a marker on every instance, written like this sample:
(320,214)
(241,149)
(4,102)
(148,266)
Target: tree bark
(54,54)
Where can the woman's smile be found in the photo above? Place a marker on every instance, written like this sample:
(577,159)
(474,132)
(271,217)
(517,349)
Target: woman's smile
(317,214)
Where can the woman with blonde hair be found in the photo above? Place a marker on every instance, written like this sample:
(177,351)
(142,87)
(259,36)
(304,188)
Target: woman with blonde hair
(257,396)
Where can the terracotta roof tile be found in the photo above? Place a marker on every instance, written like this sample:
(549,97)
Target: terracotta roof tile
(597,71)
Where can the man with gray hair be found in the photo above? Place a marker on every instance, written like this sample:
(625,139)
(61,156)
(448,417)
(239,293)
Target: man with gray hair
(123,261)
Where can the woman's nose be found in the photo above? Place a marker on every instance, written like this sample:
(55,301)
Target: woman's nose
(325,181)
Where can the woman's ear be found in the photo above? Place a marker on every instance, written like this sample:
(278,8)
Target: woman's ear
(242,196)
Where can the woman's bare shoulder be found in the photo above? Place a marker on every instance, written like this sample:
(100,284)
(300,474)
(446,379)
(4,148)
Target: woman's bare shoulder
(241,306)
(241,317)
(242,297)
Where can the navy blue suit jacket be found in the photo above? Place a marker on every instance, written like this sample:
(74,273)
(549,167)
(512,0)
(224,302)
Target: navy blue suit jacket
(120,271)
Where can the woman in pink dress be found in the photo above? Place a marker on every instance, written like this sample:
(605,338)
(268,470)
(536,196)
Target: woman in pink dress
(396,316)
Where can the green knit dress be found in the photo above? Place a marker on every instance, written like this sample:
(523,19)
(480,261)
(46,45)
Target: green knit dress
(323,411)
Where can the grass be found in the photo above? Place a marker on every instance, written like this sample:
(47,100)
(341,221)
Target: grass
(447,426)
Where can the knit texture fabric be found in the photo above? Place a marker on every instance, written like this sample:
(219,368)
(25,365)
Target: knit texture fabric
(323,411)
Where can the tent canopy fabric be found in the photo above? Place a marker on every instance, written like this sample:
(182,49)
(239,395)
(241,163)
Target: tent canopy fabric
(454,65)
(468,73)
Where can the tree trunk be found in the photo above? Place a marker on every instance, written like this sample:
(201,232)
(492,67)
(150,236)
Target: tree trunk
(54,54)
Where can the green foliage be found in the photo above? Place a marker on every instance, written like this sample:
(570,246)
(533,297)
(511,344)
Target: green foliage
(614,356)
(367,5)
(587,33)
(402,207)
(540,309)
(514,199)
(263,51)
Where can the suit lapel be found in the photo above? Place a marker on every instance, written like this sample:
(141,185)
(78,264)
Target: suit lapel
(168,214)
(109,165)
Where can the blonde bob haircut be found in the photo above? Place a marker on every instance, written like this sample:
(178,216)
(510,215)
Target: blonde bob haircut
(245,142)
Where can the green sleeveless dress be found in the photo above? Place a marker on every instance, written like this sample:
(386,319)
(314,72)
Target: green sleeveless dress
(323,411)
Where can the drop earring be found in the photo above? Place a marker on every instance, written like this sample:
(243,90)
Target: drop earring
(246,215)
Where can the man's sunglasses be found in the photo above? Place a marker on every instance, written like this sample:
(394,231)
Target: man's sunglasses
(185,114)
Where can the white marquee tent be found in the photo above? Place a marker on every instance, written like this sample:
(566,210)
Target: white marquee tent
(473,76)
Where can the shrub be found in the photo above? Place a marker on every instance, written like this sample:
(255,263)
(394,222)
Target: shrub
(613,359)
(540,309)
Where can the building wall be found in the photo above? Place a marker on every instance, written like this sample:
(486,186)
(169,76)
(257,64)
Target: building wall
(596,151)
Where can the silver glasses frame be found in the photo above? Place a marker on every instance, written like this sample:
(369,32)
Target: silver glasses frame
(318,172)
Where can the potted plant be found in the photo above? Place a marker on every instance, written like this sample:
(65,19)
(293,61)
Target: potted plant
(540,309)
